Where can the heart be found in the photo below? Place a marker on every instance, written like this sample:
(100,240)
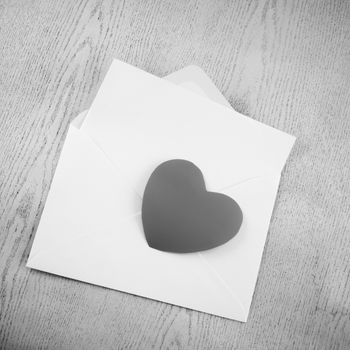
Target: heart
(180,215)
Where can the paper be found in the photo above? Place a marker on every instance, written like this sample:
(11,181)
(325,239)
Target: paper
(91,227)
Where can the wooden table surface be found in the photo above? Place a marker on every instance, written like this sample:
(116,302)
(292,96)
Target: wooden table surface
(285,63)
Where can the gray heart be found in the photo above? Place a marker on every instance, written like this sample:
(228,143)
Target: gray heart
(179,215)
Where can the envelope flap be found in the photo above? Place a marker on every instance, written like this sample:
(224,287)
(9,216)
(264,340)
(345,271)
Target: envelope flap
(140,120)
(84,181)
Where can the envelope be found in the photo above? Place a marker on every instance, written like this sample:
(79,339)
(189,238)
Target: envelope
(91,229)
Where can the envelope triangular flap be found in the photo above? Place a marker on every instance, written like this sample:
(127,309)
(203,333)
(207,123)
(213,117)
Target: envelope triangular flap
(85,184)
(140,125)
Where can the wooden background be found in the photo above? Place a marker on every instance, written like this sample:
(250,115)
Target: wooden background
(285,63)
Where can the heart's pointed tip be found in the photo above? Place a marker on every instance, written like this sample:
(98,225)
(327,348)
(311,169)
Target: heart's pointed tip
(165,249)
(160,249)
(152,245)
(149,242)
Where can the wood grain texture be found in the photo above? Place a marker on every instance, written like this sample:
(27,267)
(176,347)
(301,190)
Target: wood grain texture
(283,62)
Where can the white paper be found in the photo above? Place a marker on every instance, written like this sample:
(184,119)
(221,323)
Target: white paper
(90,229)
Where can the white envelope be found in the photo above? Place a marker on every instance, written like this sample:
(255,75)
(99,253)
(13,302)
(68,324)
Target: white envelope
(91,229)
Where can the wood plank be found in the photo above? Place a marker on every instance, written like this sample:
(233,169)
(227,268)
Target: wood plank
(285,63)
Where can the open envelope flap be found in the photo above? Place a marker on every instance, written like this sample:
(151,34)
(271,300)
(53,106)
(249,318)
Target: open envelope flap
(84,182)
(91,231)
(140,120)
